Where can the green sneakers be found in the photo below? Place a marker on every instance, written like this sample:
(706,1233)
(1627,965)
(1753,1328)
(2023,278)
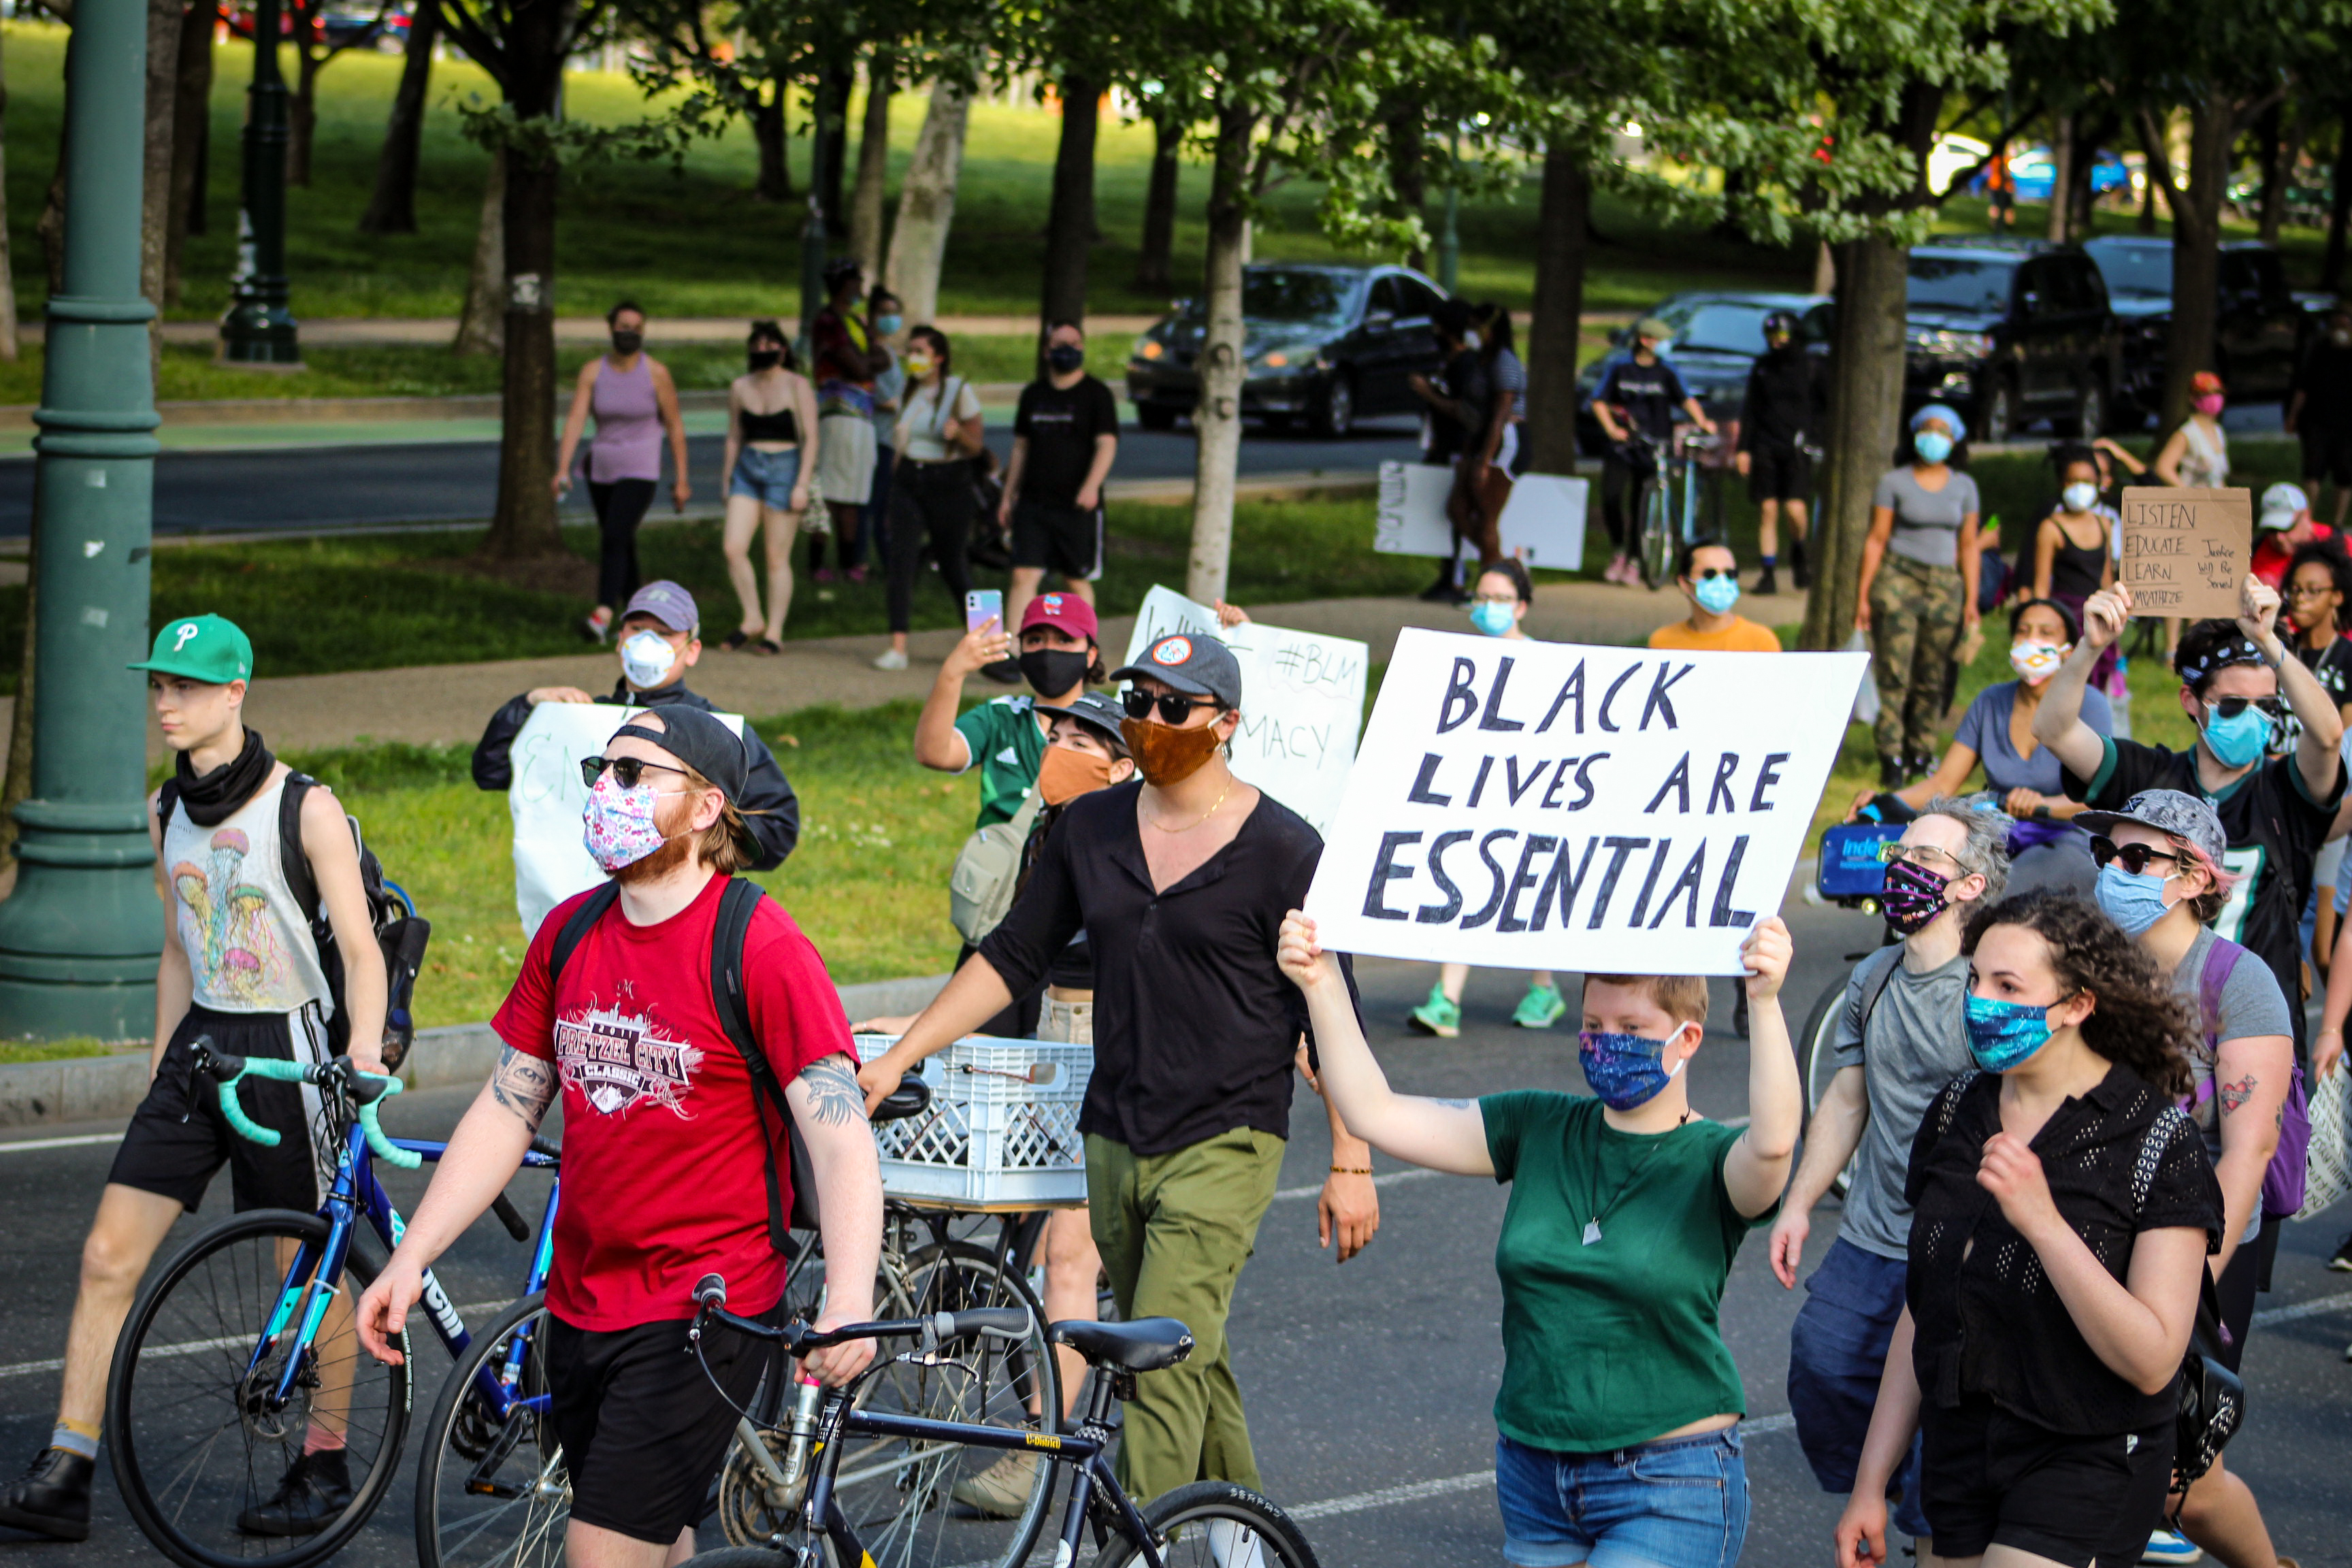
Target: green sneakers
(1439,1015)
(1540,1008)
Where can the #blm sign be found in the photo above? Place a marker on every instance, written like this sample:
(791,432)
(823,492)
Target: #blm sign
(2184,552)
(1543,523)
(1302,700)
(1544,805)
(547,799)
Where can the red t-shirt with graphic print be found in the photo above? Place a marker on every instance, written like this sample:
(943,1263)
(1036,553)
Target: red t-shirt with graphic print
(664,1157)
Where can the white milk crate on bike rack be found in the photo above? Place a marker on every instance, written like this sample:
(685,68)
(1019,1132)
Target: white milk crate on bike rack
(1002,1125)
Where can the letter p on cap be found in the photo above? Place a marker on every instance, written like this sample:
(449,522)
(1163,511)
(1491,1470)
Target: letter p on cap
(184,634)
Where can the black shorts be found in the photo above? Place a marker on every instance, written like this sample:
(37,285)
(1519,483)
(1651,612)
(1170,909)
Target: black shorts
(1779,474)
(2327,455)
(1065,539)
(644,1432)
(1992,1478)
(178,1139)
(2249,1272)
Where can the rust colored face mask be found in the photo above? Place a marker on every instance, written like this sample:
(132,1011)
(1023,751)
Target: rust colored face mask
(1166,755)
(1068,773)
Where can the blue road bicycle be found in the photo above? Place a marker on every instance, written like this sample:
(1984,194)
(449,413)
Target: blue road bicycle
(239,1361)
(1665,498)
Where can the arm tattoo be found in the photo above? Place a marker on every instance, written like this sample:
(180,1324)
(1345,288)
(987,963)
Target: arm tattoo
(1455,1104)
(833,1098)
(2234,1095)
(524,1085)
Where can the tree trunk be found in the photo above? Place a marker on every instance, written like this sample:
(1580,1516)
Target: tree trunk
(771,135)
(1217,418)
(17,786)
(303,113)
(482,327)
(2340,203)
(868,210)
(2147,192)
(1865,410)
(7,267)
(1408,173)
(2062,183)
(524,526)
(1824,267)
(163,27)
(191,120)
(1557,322)
(2196,257)
(1070,220)
(393,208)
(2277,163)
(1152,262)
(918,240)
(837,82)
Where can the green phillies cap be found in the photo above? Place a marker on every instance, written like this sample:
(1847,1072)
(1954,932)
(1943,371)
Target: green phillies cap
(202,648)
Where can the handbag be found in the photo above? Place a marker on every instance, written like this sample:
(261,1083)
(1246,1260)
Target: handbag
(2213,1398)
(2328,1175)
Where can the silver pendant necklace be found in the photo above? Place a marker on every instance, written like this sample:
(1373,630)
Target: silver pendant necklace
(1601,1211)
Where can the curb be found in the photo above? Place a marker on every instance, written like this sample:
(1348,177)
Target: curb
(98,1089)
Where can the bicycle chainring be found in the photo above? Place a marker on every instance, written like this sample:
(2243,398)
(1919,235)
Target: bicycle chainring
(752,1510)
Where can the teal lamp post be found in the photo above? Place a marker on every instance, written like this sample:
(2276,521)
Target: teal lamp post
(259,329)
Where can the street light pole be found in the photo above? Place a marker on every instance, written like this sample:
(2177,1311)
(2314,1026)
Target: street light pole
(1449,237)
(258,328)
(79,939)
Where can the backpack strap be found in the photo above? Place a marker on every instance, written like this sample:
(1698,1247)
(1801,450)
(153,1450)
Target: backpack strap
(167,801)
(576,927)
(2220,963)
(294,860)
(736,906)
(1872,990)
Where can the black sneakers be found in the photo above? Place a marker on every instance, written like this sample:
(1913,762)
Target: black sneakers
(316,1489)
(1768,583)
(2342,1261)
(53,1497)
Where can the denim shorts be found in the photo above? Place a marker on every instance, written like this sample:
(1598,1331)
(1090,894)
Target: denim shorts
(1680,1502)
(767,478)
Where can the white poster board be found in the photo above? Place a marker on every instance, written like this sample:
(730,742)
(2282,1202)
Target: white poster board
(547,799)
(1302,702)
(1546,806)
(1543,523)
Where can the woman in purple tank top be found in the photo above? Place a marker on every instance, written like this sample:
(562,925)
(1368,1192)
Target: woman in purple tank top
(635,404)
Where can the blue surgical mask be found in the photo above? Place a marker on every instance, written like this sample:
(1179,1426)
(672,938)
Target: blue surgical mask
(1933,445)
(2239,742)
(2004,1034)
(1624,1069)
(1492,617)
(888,325)
(2134,904)
(1717,594)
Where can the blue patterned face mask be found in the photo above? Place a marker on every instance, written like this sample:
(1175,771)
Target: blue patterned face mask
(2004,1034)
(1624,1069)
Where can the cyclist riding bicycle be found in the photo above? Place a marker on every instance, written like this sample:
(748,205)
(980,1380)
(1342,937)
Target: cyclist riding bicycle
(1638,396)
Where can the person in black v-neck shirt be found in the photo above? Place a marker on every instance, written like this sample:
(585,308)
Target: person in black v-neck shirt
(2276,809)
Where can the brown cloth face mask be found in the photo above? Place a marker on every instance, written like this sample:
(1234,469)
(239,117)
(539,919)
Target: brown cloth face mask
(1068,773)
(1166,755)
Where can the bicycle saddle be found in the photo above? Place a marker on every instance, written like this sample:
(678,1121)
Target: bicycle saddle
(911,1098)
(1147,1344)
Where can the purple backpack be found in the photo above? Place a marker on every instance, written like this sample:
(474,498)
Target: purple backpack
(2283,1183)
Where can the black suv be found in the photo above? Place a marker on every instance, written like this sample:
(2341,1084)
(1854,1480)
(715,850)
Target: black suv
(2011,332)
(2260,329)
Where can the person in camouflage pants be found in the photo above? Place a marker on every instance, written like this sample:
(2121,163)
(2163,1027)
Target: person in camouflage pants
(1916,612)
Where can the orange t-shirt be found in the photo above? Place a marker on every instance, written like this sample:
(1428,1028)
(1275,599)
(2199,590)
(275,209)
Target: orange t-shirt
(1742,635)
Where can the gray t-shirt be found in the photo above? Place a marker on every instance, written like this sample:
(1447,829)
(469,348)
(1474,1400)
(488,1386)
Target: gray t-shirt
(1916,1046)
(1926,523)
(2252,1005)
(1984,729)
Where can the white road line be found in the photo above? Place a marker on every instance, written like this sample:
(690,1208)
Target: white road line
(84,1140)
(1414,1174)
(2316,1308)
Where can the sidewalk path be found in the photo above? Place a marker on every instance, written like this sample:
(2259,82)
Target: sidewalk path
(354,332)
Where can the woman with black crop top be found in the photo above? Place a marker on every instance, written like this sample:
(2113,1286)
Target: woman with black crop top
(771,445)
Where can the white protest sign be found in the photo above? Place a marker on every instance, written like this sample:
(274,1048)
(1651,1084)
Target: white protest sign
(1545,805)
(1302,702)
(1543,523)
(547,798)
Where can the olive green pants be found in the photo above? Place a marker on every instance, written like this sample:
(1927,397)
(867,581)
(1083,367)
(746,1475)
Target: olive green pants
(1174,1230)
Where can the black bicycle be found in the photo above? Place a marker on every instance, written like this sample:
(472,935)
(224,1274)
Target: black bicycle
(1209,1524)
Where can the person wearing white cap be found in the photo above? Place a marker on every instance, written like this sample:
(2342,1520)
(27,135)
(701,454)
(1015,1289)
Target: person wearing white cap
(2284,526)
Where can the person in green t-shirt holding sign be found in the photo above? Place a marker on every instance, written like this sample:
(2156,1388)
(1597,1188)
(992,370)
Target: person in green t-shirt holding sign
(1620,1406)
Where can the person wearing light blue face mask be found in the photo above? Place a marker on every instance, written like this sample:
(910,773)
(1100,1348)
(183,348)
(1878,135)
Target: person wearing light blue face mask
(1708,576)
(1918,596)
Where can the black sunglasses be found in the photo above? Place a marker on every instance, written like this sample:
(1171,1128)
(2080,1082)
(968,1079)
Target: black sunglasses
(2231,707)
(1173,709)
(1711,573)
(627,770)
(2133,857)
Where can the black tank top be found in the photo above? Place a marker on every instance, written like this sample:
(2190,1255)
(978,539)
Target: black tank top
(2075,570)
(778,427)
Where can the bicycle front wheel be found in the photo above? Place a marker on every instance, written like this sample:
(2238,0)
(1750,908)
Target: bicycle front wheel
(202,1445)
(1655,520)
(491,1489)
(1216,1525)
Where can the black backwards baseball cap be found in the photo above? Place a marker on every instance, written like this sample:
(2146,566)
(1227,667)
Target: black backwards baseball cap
(1096,712)
(707,745)
(1196,666)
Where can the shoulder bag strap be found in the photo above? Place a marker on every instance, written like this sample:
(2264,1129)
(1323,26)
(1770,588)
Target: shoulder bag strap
(576,928)
(736,906)
(294,860)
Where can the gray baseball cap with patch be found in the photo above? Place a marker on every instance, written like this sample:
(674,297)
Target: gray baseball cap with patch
(2167,811)
(1195,664)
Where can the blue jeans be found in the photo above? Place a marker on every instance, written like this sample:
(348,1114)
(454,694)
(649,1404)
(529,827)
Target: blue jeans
(1836,1352)
(1681,1502)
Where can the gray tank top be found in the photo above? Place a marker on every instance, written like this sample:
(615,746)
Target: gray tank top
(249,943)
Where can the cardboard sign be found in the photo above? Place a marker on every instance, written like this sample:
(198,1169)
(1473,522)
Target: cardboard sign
(2186,551)
(1302,702)
(1543,523)
(547,799)
(1546,806)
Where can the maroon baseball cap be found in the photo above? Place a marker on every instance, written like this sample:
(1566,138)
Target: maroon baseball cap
(1063,611)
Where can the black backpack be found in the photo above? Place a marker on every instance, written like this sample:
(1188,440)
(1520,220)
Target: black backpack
(728,933)
(400,932)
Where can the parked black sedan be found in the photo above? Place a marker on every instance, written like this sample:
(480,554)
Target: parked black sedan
(1323,346)
(2260,329)
(1717,335)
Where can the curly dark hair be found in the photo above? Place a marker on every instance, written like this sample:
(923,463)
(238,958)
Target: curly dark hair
(2137,1018)
(2328,553)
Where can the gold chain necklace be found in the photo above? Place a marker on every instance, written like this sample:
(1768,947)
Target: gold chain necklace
(1201,818)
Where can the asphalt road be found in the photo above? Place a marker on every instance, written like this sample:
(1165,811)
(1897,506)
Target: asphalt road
(1370,1387)
(456,481)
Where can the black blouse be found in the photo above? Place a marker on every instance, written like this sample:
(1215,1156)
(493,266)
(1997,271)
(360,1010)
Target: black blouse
(2119,1160)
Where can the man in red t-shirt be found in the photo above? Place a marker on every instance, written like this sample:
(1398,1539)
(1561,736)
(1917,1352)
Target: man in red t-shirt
(666,1146)
(2282,527)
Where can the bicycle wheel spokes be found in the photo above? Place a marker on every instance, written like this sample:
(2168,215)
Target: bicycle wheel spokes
(492,1491)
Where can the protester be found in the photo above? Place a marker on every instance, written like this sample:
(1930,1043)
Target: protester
(1455,414)
(1180,882)
(1617,1417)
(773,442)
(1708,576)
(938,433)
(1499,609)
(848,358)
(2160,880)
(1918,592)
(672,1164)
(1782,415)
(2319,408)
(2281,527)
(1639,395)
(2043,1330)
(2197,454)
(1064,438)
(636,404)
(889,401)
(217,832)
(2276,810)
(661,639)
(1494,462)
(2317,588)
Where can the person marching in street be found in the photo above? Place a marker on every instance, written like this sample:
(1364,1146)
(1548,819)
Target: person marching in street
(674,1166)
(1708,576)
(1640,394)
(1180,882)
(939,433)
(635,400)
(217,830)
(1917,598)
(1786,403)
(772,442)
(1618,1417)
(847,356)
(1065,439)
(1900,1039)
(661,639)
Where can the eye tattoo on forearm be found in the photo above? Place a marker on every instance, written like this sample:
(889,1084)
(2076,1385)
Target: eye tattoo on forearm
(834,1099)
(2234,1095)
(524,1085)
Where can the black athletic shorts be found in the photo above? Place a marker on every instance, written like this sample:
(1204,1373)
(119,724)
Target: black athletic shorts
(178,1139)
(1992,1478)
(1065,539)
(2327,455)
(1779,474)
(644,1432)
(2249,1271)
